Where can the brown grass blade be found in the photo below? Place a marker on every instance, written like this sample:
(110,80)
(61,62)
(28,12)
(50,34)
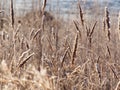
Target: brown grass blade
(107,23)
(93,29)
(108,51)
(39,31)
(118,86)
(81,14)
(63,57)
(111,67)
(77,28)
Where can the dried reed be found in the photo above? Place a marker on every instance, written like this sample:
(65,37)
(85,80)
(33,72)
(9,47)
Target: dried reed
(118,86)
(23,55)
(44,5)
(98,69)
(38,35)
(33,46)
(119,25)
(90,33)
(108,50)
(12,13)
(78,30)
(63,57)
(107,23)
(25,60)
(81,14)
(74,49)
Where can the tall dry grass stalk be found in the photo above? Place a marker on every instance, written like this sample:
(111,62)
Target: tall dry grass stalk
(43,56)
(63,57)
(81,14)
(44,5)
(90,33)
(13,61)
(78,30)
(12,13)
(118,86)
(1,19)
(98,70)
(39,36)
(107,23)
(74,51)
(119,25)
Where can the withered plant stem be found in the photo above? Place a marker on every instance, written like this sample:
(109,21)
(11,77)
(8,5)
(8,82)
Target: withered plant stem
(12,14)
(107,23)
(81,14)
(74,49)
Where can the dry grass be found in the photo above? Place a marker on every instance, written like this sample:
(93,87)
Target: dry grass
(40,52)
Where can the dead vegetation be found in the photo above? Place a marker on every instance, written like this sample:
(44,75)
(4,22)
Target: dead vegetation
(40,52)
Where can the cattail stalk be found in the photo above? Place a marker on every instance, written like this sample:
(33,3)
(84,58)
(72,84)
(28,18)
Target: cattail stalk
(39,38)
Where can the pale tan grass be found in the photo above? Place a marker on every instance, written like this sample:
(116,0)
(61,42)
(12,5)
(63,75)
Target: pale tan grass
(43,55)
(118,86)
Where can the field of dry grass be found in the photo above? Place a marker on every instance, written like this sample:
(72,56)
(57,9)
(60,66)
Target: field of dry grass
(41,52)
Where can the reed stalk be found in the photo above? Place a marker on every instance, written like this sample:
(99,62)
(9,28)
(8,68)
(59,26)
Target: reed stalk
(107,23)
(75,45)
(12,13)
(119,25)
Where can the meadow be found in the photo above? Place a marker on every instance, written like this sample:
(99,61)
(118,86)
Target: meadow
(42,51)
